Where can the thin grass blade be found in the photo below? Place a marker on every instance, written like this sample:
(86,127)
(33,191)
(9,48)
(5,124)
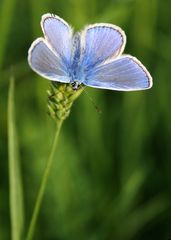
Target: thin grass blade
(15,182)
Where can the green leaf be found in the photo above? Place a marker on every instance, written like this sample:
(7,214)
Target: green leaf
(15,183)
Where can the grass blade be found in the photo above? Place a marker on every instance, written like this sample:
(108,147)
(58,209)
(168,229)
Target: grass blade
(15,184)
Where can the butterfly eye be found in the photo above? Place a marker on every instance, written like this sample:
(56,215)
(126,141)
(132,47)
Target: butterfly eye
(75,85)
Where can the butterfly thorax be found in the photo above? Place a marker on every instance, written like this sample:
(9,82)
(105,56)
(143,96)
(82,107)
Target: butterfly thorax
(77,75)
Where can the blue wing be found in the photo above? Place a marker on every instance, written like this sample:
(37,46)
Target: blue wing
(43,60)
(125,73)
(100,42)
(59,35)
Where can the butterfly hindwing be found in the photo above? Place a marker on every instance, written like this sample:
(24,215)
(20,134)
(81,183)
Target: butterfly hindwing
(59,35)
(100,42)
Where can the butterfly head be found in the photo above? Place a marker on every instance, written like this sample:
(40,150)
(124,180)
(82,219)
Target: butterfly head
(75,85)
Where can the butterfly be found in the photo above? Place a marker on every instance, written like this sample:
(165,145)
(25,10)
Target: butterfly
(92,57)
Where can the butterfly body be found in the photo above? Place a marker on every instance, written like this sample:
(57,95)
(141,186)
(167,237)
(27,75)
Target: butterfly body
(92,57)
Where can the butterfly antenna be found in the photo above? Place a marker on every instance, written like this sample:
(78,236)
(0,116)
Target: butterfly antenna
(92,101)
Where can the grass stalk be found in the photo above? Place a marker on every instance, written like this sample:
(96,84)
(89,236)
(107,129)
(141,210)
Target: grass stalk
(43,184)
(15,181)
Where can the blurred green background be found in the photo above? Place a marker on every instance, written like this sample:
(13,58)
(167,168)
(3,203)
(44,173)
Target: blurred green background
(111,176)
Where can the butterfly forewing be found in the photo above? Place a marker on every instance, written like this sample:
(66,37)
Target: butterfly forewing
(125,73)
(45,62)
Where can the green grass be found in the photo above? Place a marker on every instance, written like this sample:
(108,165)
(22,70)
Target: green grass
(15,181)
(111,178)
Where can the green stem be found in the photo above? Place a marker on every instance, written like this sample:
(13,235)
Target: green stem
(43,185)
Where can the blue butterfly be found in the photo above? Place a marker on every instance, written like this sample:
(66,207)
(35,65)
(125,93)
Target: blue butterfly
(92,57)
